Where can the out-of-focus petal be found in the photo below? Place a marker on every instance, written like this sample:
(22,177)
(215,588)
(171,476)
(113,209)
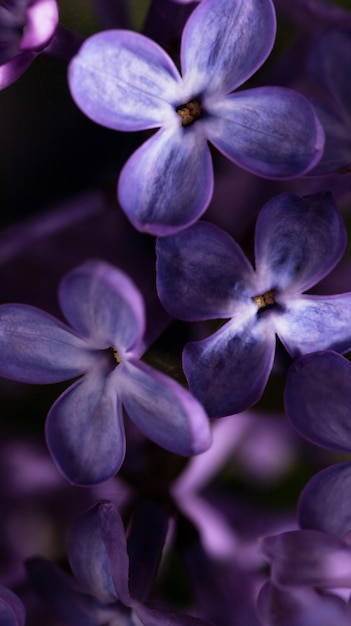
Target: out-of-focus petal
(85,432)
(167,183)
(298,240)
(163,410)
(308,558)
(103,304)
(12,612)
(337,148)
(154,617)
(202,273)
(329,65)
(325,504)
(269,131)
(228,371)
(318,399)
(123,80)
(37,348)
(42,19)
(225,42)
(313,323)
(91,560)
(11,71)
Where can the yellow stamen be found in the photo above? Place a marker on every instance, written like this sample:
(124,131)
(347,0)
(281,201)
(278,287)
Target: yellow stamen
(116,355)
(265,299)
(189,112)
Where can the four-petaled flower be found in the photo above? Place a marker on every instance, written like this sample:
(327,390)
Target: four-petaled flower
(84,428)
(125,81)
(203,274)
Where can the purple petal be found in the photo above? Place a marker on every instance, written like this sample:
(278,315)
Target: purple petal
(37,348)
(96,565)
(154,617)
(42,19)
(12,612)
(312,323)
(329,64)
(324,503)
(125,81)
(163,410)
(298,240)
(11,71)
(158,189)
(225,42)
(85,432)
(102,303)
(250,128)
(308,558)
(337,149)
(228,371)
(201,273)
(318,399)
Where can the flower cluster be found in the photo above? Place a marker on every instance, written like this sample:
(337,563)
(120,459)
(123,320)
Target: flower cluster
(214,277)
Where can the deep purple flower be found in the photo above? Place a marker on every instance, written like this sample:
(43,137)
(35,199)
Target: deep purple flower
(12,611)
(84,428)
(26,27)
(127,82)
(203,274)
(105,571)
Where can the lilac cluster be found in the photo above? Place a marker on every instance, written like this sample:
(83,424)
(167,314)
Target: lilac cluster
(193,263)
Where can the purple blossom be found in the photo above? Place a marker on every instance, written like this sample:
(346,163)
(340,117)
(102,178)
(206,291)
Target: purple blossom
(26,27)
(105,571)
(12,612)
(84,428)
(203,274)
(125,81)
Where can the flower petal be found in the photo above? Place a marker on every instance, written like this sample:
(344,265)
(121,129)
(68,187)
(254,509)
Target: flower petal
(42,19)
(228,371)
(103,304)
(250,128)
(337,149)
(123,80)
(312,323)
(298,240)
(163,410)
(318,399)
(167,183)
(92,561)
(37,348)
(11,71)
(324,503)
(85,432)
(225,42)
(12,612)
(154,617)
(201,273)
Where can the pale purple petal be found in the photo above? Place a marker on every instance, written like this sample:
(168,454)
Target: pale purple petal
(125,81)
(167,183)
(225,42)
(318,399)
(11,71)
(250,128)
(12,612)
(308,558)
(92,561)
(202,273)
(37,348)
(312,323)
(155,617)
(42,19)
(85,432)
(228,371)
(103,304)
(163,410)
(298,240)
(325,503)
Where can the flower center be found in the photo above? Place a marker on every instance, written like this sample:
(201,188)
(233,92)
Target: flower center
(115,355)
(265,300)
(189,112)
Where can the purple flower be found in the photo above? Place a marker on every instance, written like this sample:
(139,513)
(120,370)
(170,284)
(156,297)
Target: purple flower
(26,27)
(106,570)
(12,611)
(127,82)
(203,274)
(84,428)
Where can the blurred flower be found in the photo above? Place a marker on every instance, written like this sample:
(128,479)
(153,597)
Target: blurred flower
(203,274)
(125,81)
(84,428)
(12,611)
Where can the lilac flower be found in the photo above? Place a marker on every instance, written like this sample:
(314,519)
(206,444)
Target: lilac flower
(12,611)
(26,27)
(203,274)
(329,65)
(125,81)
(84,428)
(105,574)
